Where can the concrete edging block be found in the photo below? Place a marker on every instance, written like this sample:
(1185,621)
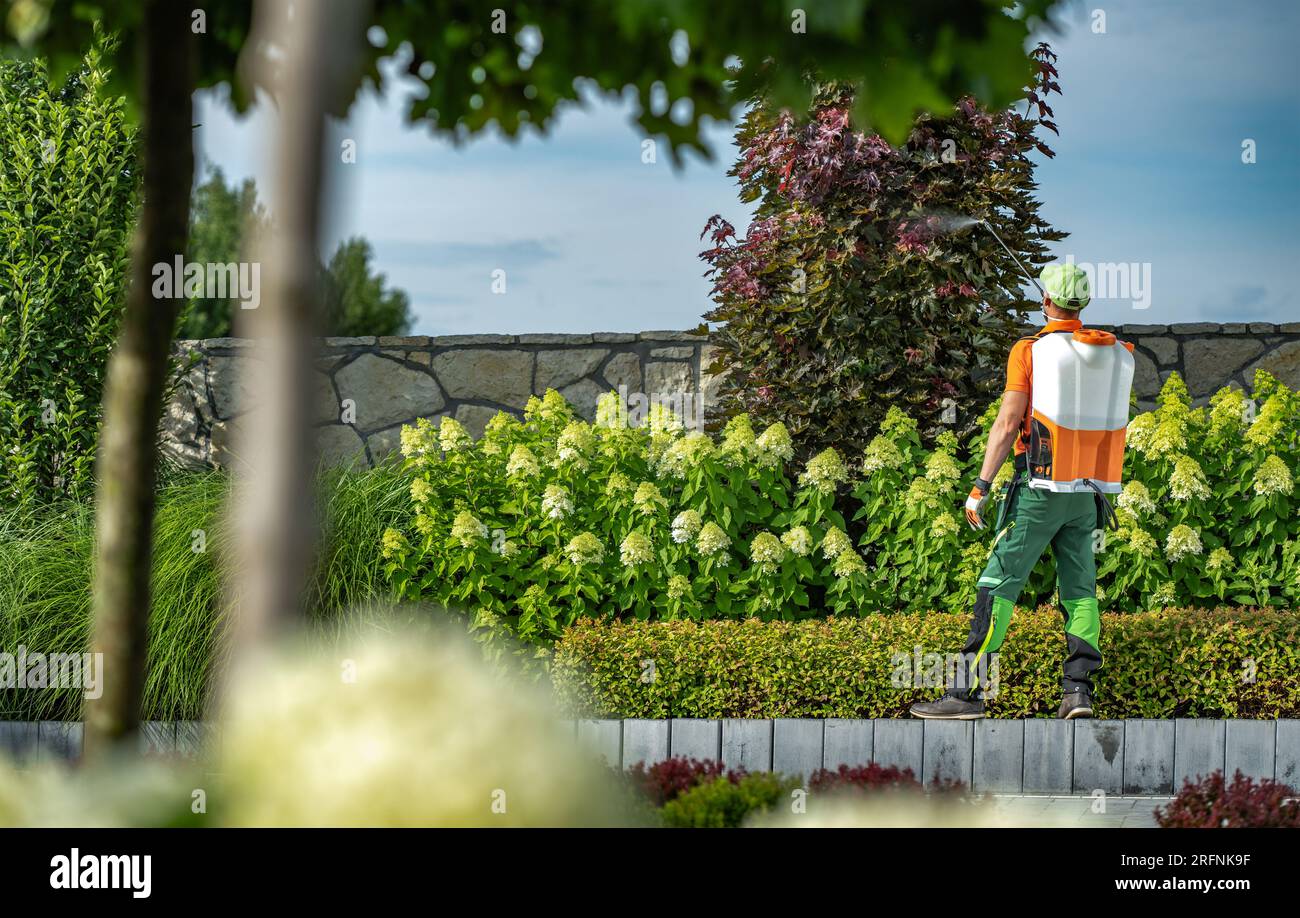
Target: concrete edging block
(900,743)
(1049,756)
(999,756)
(695,738)
(644,741)
(847,742)
(747,743)
(798,746)
(1149,757)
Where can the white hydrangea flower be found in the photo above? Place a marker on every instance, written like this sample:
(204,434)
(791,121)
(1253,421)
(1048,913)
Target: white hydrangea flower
(685,454)
(574,444)
(647,499)
(1165,595)
(835,543)
(1182,541)
(636,549)
(1142,542)
(467,529)
(678,587)
(663,420)
(551,407)
(799,540)
(773,447)
(421,490)
(393,542)
(767,552)
(617,484)
(1136,499)
(881,453)
(848,563)
(1140,429)
(942,467)
(522,463)
(556,502)
(711,540)
(1269,423)
(611,412)
(686,526)
(1273,477)
(584,548)
(944,525)
(416,438)
(452,437)
(825,472)
(1188,481)
(738,441)
(1219,560)
(923,493)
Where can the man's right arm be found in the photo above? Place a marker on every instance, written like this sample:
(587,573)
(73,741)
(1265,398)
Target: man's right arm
(1004,432)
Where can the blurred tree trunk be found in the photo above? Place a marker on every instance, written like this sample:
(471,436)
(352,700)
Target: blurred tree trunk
(133,393)
(316,45)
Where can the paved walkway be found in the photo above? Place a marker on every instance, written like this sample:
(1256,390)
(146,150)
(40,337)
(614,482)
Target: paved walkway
(1084,812)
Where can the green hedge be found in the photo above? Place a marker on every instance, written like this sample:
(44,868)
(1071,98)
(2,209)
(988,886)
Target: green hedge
(1231,662)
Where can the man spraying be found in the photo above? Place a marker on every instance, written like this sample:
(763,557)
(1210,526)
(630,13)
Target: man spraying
(1065,410)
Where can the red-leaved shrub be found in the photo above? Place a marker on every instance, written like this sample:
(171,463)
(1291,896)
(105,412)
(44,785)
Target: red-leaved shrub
(664,781)
(874,776)
(1212,803)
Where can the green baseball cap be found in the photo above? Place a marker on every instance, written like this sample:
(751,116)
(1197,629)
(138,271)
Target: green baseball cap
(1067,285)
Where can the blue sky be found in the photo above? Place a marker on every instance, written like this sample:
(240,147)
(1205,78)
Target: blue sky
(1148,171)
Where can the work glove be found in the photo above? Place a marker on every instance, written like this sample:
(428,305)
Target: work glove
(979,496)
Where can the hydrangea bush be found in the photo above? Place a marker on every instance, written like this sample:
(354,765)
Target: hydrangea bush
(550,518)
(1208,514)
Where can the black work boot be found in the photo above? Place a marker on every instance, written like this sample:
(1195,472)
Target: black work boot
(1075,704)
(949,707)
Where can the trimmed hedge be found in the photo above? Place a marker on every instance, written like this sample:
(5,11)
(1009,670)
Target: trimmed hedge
(1229,662)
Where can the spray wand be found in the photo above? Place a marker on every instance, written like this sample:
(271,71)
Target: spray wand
(1033,280)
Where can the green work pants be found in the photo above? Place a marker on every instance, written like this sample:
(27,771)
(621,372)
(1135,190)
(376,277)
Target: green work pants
(1032,519)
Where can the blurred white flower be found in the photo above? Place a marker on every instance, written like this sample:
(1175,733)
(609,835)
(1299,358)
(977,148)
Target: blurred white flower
(417,737)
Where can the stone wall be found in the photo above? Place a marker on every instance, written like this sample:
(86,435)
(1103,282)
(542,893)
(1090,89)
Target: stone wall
(379,384)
